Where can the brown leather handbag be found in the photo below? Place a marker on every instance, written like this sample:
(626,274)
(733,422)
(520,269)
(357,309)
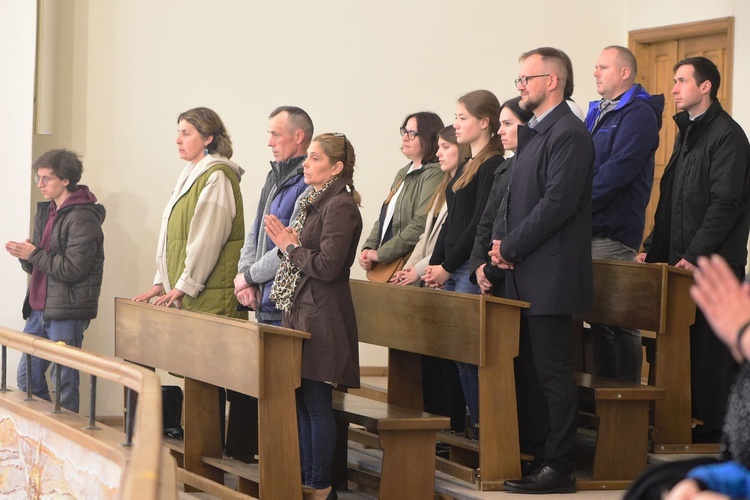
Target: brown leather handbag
(382,272)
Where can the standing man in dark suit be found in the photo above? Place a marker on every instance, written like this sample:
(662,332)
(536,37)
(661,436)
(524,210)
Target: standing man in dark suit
(545,239)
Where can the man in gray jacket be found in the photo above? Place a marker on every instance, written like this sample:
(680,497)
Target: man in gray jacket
(66,263)
(290,132)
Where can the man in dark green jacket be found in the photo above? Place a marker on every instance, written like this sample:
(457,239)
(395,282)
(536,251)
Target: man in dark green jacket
(66,263)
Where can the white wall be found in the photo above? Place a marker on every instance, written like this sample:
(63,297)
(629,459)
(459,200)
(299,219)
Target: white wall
(356,67)
(18,40)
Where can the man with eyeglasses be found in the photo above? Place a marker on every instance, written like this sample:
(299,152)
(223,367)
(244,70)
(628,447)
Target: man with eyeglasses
(625,127)
(544,241)
(290,131)
(66,261)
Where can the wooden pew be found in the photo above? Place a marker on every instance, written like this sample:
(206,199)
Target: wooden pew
(654,297)
(406,436)
(260,360)
(621,417)
(474,329)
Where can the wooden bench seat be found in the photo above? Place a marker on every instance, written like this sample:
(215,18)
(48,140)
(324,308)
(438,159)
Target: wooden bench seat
(407,438)
(622,412)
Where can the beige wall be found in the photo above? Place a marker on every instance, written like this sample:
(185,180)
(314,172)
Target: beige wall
(356,67)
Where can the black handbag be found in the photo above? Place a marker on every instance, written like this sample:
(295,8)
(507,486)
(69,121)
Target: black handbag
(171,402)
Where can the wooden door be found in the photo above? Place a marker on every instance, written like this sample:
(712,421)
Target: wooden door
(657,50)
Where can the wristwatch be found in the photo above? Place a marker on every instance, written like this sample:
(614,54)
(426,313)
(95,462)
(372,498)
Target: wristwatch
(290,247)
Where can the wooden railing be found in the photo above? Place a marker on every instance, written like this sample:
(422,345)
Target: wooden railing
(148,472)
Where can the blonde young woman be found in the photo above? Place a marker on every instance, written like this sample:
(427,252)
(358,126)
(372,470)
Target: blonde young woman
(312,289)
(477,121)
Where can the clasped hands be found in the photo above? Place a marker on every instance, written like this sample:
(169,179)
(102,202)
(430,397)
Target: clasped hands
(281,235)
(435,276)
(20,249)
(367,258)
(496,258)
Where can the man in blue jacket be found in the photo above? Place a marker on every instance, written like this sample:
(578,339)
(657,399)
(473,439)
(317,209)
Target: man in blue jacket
(290,131)
(624,125)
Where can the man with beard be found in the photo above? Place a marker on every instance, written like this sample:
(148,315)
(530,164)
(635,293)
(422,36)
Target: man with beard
(545,243)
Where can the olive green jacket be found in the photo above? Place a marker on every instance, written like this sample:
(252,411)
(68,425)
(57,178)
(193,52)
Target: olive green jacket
(410,213)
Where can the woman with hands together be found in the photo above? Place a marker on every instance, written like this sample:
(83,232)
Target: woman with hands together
(312,289)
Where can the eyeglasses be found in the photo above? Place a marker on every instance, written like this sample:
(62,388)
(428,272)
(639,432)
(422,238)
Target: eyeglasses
(346,152)
(524,80)
(44,180)
(411,133)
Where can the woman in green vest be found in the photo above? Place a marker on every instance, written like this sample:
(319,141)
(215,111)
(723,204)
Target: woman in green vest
(203,226)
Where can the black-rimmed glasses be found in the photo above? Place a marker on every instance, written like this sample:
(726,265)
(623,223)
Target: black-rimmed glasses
(524,80)
(411,133)
(346,151)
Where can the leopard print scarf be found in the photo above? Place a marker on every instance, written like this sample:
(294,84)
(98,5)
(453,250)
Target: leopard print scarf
(288,275)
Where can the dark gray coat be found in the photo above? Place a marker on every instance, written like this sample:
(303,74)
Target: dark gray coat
(483,239)
(322,304)
(74,263)
(546,232)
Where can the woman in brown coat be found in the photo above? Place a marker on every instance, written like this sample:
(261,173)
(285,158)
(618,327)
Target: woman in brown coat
(312,288)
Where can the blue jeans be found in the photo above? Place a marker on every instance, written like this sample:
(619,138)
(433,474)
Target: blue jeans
(467,373)
(69,331)
(317,432)
(617,351)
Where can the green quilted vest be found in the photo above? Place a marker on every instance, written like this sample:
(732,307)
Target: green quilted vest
(218,295)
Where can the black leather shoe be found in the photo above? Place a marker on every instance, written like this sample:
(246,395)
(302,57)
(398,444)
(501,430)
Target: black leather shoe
(529,467)
(544,480)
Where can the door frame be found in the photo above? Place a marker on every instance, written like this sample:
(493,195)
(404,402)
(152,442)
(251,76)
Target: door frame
(724,25)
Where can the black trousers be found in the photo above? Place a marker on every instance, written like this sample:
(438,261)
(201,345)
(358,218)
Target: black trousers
(548,396)
(712,371)
(442,391)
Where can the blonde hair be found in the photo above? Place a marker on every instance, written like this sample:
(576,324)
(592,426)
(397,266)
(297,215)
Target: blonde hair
(481,104)
(338,148)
